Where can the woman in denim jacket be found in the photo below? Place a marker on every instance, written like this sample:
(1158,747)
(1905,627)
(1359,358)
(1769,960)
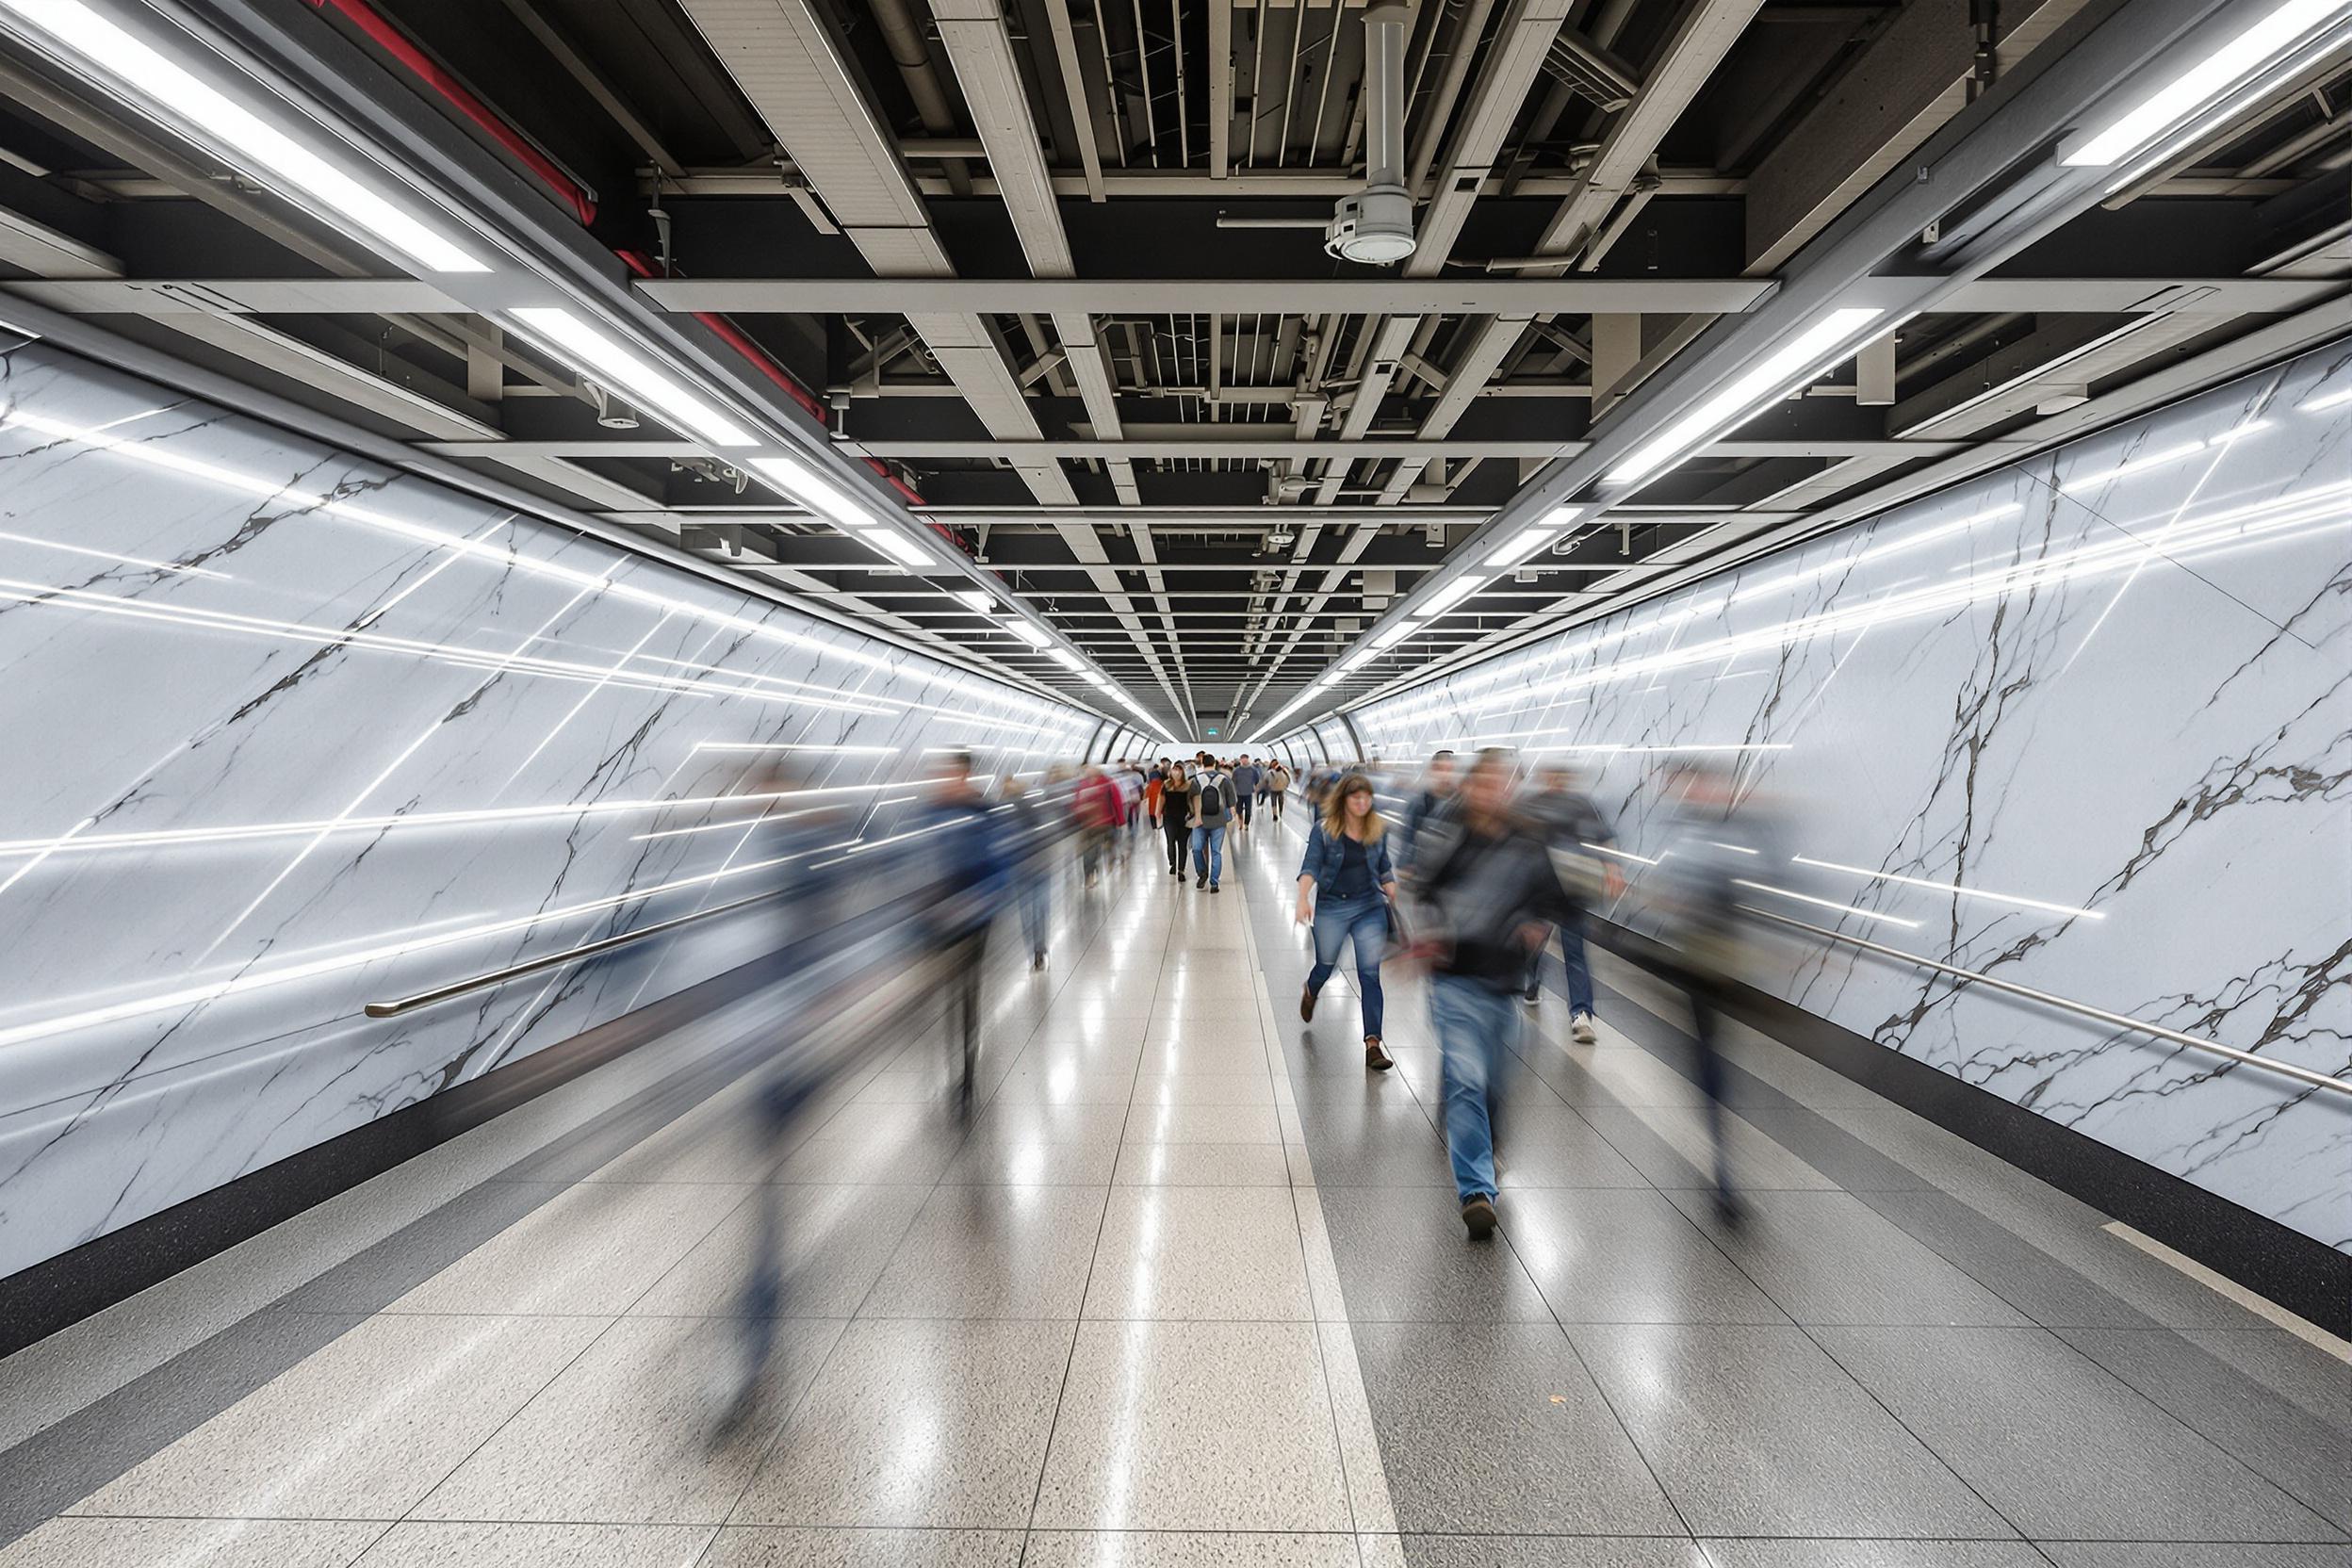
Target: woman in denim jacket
(1345,884)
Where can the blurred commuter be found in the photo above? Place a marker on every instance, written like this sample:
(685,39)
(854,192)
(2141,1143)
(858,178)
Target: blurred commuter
(964,851)
(1572,829)
(1176,816)
(1276,787)
(1031,839)
(1154,784)
(1246,776)
(1437,788)
(1710,846)
(1212,797)
(1344,885)
(1096,806)
(1483,894)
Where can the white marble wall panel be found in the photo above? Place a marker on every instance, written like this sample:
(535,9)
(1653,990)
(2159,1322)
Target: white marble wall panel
(2116,680)
(206,625)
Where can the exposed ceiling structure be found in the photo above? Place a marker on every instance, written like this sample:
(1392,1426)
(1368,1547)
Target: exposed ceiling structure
(1043,286)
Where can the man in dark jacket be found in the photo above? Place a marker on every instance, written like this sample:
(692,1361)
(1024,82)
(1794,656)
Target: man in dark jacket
(1483,894)
(1212,798)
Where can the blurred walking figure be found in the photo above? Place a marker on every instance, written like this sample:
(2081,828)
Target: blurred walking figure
(1031,841)
(1176,816)
(1155,784)
(1276,787)
(964,849)
(1482,895)
(1246,776)
(1212,797)
(1345,884)
(1097,808)
(1571,828)
(1711,846)
(1437,788)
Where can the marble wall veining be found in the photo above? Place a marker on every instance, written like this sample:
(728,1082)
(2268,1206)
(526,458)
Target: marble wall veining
(2084,724)
(287,733)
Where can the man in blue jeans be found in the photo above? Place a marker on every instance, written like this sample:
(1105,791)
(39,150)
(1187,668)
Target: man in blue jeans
(1212,798)
(1484,894)
(1577,834)
(1246,775)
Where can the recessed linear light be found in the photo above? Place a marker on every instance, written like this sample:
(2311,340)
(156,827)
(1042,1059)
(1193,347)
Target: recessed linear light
(1394,635)
(1065,659)
(978,601)
(1448,596)
(587,348)
(1794,362)
(1034,635)
(1533,537)
(2216,72)
(890,543)
(1824,903)
(822,496)
(1950,888)
(190,105)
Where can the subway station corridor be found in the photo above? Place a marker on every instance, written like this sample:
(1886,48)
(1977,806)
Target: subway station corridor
(1191,1291)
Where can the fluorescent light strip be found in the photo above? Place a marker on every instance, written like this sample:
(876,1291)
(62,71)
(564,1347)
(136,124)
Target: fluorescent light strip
(192,107)
(1035,636)
(813,490)
(1446,598)
(794,745)
(2139,465)
(1065,659)
(586,348)
(1807,354)
(894,545)
(1394,635)
(1533,538)
(1823,903)
(154,456)
(1950,888)
(2221,111)
(978,601)
(121,560)
(2216,72)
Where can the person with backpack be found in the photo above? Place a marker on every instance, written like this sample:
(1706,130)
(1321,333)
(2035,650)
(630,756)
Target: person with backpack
(1212,797)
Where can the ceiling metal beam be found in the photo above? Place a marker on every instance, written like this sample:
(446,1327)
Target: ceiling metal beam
(1218,441)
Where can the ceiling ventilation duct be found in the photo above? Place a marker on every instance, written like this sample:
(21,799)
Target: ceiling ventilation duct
(1376,225)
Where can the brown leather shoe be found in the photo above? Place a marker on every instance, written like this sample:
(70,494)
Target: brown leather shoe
(1306,1004)
(1374,1059)
(1478,1218)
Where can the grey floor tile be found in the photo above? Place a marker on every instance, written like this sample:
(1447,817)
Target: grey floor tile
(1195,1427)
(911,1159)
(1393,1145)
(361,1429)
(2020,1273)
(1557,1148)
(1825,1257)
(994,1251)
(1496,1427)
(2059,1445)
(1204,1124)
(1188,1549)
(1625,1256)
(783,1546)
(834,1241)
(1614,1077)
(1672,1146)
(191,1544)
(595,1249)
(419,1545)
(1201,1164)
(2312,1378)
(2111,1554)
(918,1423)
(1009,1161)
(1547,1551)
(1067,1086)
(1402,1257)
(1255,1088)
(1754,1432)
(1041,1123)
(1223,1252)
(2308,1458)
(1872,1554)
(624,1435)
(1816,1140)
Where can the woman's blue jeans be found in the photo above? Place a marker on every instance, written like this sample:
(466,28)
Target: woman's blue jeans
(1365,918)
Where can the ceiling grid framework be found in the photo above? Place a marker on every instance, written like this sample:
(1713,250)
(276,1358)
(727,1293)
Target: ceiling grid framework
(1057,271)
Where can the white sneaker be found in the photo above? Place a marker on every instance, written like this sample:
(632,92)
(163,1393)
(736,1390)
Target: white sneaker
(1582,1029)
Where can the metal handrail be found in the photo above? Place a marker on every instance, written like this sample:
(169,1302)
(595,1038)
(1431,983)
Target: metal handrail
(532,965)
(2120,1020)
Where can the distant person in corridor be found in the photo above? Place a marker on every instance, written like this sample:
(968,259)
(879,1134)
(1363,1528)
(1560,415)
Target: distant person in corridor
(1577,834)
(1345,884)
(1246,776)
(1437,788)
(1176,816)
(1212,797)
